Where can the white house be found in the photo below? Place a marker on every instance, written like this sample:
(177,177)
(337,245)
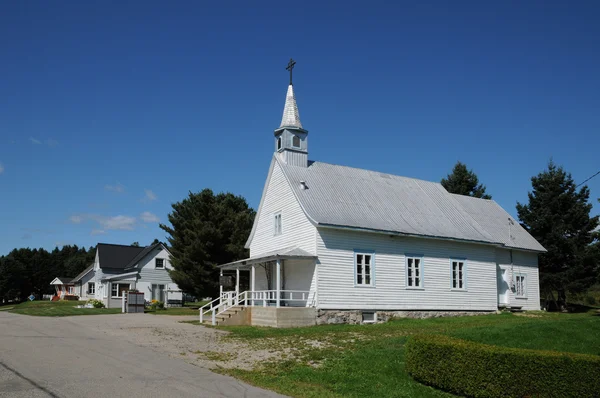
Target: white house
(354,245)
(118,268)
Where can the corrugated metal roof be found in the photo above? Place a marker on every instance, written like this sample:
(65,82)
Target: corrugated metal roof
(364,199)
(287,252)
(495,221)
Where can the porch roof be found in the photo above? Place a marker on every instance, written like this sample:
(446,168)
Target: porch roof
(282,254)
(118,277)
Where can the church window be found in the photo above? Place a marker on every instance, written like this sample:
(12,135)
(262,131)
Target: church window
(296,141)
(279,143)
(277,224)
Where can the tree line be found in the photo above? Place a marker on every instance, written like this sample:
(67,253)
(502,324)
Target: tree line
(29,271)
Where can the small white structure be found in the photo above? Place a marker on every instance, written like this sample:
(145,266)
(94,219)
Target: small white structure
(119,268)
(354,245)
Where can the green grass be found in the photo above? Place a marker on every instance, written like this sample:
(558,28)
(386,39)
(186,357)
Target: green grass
(368,360)
(175,311)
(58,308)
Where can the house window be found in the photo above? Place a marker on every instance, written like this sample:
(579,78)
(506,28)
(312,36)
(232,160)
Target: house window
(520,286)
(91,288)
(458,274)
(160,263)
(414,272)
(119,289)
(279,143)
(158,292)
(364,269)
(296,141)
(70,289)
(277,224)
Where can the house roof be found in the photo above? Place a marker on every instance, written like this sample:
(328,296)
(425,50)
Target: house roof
(117,256)
(60,280)
(83,273)
(142,254)
(340,196)
(285,253)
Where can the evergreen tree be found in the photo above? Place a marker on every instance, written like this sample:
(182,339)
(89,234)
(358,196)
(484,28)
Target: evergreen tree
(463,181)
(558,216)
(206,230)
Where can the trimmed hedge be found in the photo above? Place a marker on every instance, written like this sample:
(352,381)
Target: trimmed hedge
(480,370)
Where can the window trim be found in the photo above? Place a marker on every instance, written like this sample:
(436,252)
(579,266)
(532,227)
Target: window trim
(277,227)
(524,293)
(465,287)
(89,291)
(421,258)
(299,142)
(372,265)
(163,262)
(118,289)
(279,143)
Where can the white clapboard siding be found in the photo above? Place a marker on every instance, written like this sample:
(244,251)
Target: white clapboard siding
(336,288)
(150,275)
(525,263)
(297,230)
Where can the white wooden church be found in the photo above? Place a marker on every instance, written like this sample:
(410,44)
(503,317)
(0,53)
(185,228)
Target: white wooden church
(336,244)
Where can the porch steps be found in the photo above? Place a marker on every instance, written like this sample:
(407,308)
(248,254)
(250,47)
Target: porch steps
(222,319)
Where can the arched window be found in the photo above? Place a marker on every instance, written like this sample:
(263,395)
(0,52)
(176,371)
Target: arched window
(279,143)
(296,141)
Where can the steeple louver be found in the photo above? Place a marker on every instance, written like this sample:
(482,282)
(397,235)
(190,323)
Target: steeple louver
(291,116)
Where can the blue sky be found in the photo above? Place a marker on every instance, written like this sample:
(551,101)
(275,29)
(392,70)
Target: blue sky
(111,111)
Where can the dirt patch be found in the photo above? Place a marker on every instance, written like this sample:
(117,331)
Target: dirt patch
(198,345)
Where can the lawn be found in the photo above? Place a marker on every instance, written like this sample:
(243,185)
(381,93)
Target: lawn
(174,311)
(58,308)
(368,360)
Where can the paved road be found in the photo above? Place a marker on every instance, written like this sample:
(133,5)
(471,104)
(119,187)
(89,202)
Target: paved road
(65,357)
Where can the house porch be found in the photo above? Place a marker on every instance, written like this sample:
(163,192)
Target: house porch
(275,289)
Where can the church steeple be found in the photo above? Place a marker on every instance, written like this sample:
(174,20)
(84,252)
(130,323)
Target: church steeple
(291,140)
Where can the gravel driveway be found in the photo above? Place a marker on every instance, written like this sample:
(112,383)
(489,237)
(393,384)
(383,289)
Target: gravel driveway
(133,355)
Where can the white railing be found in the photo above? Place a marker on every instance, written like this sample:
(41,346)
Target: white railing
(249,298)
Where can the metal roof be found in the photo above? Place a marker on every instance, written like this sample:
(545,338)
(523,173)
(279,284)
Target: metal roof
(285,253)
(349,197)
(141,255)
(291,116)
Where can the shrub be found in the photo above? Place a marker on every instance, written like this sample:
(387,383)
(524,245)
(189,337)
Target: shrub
(96,303)
(157,305)
(480,370)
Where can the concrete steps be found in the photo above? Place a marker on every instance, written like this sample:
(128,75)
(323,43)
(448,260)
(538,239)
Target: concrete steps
(225,317)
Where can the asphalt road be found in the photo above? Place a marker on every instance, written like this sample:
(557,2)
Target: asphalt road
(65,357)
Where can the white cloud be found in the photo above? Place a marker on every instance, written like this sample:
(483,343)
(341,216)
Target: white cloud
(150,196)
(1,168)
(149,217)
(119,188)
(117,223)
(35,141)
(76,219)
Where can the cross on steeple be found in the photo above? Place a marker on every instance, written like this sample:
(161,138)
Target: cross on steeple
(290,67)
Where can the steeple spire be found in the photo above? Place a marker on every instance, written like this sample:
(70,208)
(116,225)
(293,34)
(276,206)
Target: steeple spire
(291,116)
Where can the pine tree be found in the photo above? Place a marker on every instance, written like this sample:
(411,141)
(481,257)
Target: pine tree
(206,230)
(463,181)
(558,216)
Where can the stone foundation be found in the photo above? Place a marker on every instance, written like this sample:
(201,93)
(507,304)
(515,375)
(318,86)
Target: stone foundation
(353,317)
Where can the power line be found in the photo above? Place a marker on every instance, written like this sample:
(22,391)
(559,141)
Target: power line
(588,179)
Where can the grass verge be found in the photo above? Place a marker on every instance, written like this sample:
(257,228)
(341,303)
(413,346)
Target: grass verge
(58,308)
(368,360)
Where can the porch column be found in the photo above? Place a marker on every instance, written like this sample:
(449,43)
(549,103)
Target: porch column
(220,286)
(252,283)
(278,286)
(237,280)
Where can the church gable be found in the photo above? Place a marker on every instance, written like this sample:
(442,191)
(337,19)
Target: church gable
(280,221)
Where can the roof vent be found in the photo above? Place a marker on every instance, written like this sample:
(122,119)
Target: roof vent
(303,185)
